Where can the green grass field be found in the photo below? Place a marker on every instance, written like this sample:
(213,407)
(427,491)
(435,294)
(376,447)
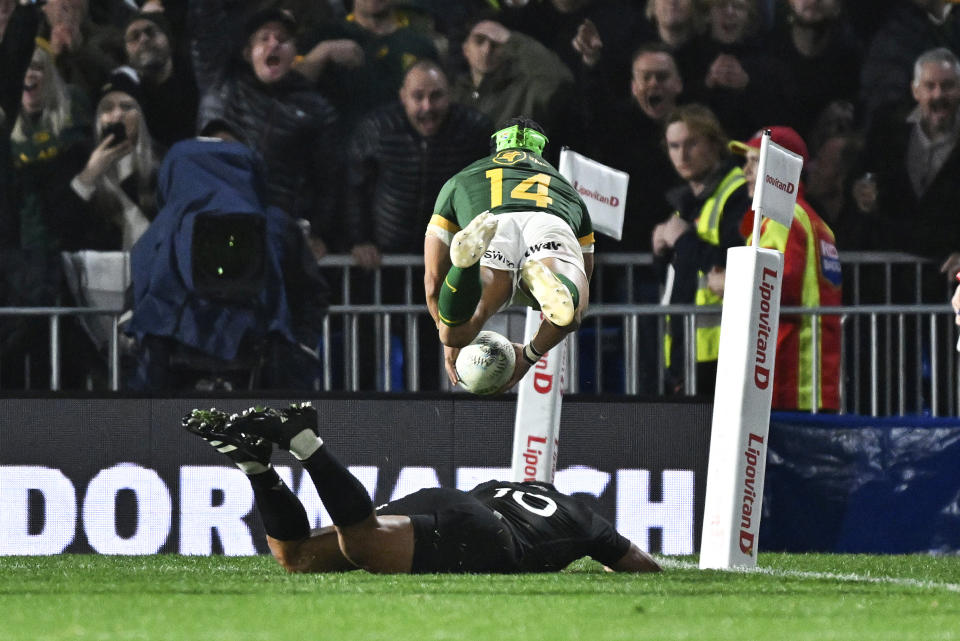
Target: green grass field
(173,598)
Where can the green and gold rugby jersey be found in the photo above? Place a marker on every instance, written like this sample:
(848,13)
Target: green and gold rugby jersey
(510,180)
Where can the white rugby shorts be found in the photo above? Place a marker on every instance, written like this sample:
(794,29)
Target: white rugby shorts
(531,234)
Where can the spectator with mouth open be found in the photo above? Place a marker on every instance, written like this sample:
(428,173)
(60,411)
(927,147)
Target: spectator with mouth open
(635,121)
(358,63)
(399,157)
(626,123)
(47,147)
(258,98)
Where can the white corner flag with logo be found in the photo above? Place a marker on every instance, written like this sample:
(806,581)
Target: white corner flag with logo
(536,432)
(602,188)
(740,428)
(778,179)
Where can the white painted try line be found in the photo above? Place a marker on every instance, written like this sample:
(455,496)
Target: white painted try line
(674,564)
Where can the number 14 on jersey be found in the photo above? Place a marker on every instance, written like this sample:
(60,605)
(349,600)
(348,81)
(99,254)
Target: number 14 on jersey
(535,188)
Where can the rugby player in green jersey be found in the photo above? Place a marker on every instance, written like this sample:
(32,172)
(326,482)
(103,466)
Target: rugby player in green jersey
(508,229)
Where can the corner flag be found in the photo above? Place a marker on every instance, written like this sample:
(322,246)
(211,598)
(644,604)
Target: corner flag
(778,179)
(748,340)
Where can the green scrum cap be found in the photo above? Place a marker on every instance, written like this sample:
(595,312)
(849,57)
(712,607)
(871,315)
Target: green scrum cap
(518,136)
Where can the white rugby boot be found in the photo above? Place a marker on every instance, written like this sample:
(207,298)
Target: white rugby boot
(470,242)
(555,300)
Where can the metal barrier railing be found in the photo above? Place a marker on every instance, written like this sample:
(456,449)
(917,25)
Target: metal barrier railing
(878,384)
(630,271)
(53,315)
(897,359)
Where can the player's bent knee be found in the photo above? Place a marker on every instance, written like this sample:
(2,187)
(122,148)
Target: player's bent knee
(370,556)
(457,336)
(287,555)
(381,545)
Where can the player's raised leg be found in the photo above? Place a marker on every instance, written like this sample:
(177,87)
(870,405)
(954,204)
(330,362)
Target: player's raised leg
(556,298)
(497,290)
(469,243)
(550,334)
(462,285)
(283,516)
(558,282)
(376,544)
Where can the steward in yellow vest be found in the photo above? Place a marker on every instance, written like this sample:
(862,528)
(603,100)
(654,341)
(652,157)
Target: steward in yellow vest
(694,241)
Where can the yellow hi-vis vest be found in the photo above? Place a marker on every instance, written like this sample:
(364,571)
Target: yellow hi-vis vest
(708,229)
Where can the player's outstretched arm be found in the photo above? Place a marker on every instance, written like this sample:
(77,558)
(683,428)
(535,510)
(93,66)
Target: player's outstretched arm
(436,264)
(549,335)
(635,560)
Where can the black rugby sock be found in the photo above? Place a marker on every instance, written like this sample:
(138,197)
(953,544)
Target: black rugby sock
(342,494)
(282,513)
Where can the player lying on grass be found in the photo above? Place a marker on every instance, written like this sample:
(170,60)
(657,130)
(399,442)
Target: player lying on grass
(497,527)
(508,229)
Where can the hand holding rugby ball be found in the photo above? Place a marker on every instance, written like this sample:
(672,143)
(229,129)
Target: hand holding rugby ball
(486,364)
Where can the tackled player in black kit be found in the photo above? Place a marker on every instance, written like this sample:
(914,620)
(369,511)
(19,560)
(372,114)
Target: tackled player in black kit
(498,527)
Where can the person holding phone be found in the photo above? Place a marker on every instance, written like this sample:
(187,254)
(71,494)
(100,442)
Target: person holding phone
(116,187)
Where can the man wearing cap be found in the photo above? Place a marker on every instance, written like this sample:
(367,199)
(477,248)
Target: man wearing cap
(511,73)
(255,96)
(811,278)
(169,92)
(508,228)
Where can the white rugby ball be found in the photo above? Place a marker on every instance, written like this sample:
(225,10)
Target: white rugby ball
(486,364)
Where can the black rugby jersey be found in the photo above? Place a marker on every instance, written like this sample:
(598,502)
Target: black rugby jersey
(551,529)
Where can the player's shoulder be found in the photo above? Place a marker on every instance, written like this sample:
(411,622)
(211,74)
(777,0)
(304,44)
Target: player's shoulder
(515,485)
(474,169)
(541,488)
(539,485)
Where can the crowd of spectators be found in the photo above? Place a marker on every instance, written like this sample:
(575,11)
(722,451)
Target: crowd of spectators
(359,110)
